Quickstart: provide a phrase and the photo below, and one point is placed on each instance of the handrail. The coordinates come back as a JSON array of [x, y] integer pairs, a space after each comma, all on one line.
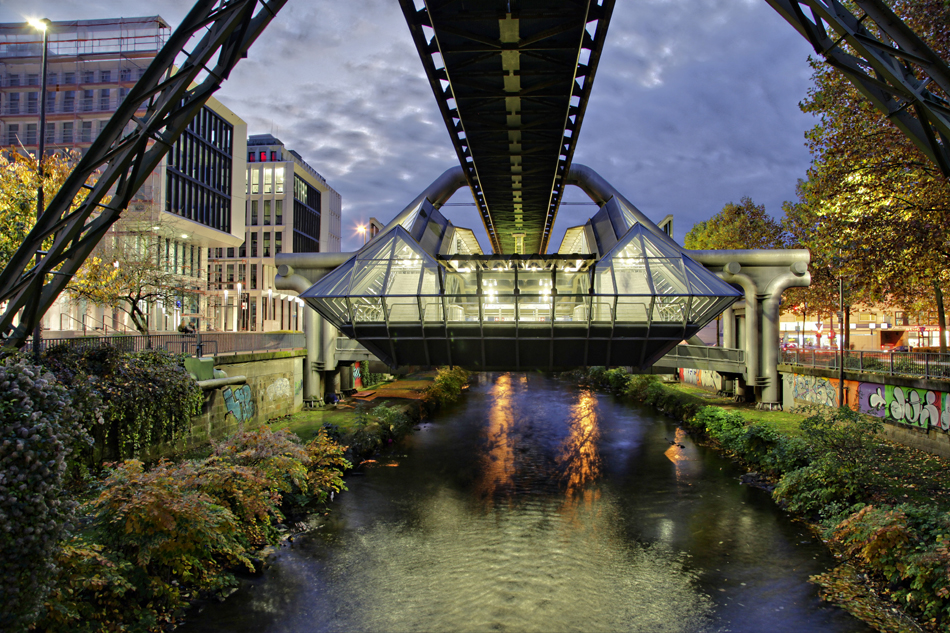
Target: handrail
[[930, 365]]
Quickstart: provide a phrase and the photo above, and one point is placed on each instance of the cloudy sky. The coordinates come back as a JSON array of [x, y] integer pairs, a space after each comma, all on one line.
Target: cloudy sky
[[695, 104]]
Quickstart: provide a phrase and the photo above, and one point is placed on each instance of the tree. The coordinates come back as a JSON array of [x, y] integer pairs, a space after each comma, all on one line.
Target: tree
[[18, 184], [129, 271], [737, 226], [872, 201]]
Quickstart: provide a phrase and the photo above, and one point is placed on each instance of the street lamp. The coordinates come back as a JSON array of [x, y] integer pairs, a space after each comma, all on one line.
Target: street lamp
[[41, 25], [362, 231]]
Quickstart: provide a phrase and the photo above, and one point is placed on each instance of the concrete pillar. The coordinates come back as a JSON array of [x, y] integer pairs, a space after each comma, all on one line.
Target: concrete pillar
[[729, 328], [771, 307], [312, 328]]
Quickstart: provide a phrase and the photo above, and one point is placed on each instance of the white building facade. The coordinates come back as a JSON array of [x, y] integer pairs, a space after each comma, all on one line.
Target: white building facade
[[194, 201], [290, 209]]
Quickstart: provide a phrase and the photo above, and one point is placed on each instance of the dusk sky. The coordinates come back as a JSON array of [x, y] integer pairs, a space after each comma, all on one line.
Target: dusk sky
[[695, 104]]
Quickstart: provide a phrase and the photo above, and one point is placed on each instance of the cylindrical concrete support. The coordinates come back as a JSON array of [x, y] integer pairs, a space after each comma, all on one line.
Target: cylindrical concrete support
[[729, 328], [797, 275], [731, 274]]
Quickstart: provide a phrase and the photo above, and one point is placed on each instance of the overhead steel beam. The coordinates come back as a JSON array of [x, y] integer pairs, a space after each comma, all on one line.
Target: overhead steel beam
[[892, 71], [170, 97]]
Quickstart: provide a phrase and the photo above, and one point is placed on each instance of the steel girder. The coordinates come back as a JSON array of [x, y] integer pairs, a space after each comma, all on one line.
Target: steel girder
[[171, 97], [512, 81], [893, 75]]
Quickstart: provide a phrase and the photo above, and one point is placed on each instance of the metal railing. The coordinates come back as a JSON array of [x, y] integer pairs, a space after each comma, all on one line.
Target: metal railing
[[916, 364], [212, 343]]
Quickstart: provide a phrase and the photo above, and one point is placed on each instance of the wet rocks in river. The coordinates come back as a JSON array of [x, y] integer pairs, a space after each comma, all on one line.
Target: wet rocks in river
[[757, 480]]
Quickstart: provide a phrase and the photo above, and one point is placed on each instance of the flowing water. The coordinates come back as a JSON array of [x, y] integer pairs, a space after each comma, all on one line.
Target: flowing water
[[536, 505]]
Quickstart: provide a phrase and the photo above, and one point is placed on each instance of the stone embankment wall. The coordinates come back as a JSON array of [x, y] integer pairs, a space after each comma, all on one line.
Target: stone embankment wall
[[274, 388], [916, 411]]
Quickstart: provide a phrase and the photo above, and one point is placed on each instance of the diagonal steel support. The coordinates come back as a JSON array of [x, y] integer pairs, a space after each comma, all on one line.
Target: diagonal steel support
[[892, 75], [120, 162]]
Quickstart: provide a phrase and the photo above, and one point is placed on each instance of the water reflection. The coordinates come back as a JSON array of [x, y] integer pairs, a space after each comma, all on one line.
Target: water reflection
[[579, 458], [498, 460]]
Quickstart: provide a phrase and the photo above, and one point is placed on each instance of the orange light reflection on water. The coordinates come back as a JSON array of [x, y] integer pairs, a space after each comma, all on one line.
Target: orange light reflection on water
[[498, 463], [579, 457]]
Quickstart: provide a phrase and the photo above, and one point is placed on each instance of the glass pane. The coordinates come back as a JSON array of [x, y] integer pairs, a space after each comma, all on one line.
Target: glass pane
[[571, 307], [462, 308], [537, 285], [572, 283], [404, 277], [369, 277], [670, 309], [603, 281], [461, 283], [430, 280], [668, 276], [602, 309], [656, 247], [432, 310], [631, 310], [335, 284], [402, 309], [367, 310]]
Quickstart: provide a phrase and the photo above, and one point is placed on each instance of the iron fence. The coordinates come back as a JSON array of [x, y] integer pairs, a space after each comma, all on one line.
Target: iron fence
[[917, 364], [211, 343]]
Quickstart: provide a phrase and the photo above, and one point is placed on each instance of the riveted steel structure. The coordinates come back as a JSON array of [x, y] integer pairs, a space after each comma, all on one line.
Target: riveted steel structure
[[512, 80], [893, 68], [219, 33]]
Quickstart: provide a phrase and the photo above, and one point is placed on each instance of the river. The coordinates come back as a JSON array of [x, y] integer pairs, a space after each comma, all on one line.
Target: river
[[536, 505]]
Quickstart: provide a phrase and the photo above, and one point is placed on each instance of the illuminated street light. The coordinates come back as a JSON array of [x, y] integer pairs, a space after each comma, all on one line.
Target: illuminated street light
[[362, 231], [41, 25]]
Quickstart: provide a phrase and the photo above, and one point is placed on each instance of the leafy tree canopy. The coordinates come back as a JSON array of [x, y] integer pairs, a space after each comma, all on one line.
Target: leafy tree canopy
[[737, 226]]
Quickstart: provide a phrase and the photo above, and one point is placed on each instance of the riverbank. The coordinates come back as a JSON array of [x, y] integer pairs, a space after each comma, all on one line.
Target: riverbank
[[883, 508]]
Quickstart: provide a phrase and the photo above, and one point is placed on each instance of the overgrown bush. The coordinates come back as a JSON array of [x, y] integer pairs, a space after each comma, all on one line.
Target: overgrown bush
[[146, 397], [447, 385], [376, 426], [841, 471], [910, 547], [158, 538], [38, 428]]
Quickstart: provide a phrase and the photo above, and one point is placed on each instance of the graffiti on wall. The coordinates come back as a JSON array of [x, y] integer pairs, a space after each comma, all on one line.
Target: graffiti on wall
[[701, 378], [816, 390], [240, 402], [923, 408]]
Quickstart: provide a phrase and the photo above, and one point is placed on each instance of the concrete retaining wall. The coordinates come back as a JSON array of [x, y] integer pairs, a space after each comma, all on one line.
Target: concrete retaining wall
[[274, 388]]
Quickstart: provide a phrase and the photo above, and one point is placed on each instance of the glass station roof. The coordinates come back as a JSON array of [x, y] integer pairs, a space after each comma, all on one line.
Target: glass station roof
[[488, 311]]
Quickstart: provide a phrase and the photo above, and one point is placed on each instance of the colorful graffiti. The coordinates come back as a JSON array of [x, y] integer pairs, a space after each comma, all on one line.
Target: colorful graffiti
[[922, 408], [701, 378], [240, 403]]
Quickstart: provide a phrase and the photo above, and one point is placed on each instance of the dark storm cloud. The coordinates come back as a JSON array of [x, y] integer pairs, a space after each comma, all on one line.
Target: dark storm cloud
[[694, 104]]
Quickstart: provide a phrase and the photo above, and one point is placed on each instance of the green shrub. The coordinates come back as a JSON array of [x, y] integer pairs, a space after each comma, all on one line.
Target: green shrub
[[910, 547], [144, 398], [638, 384], [842, 469], [38, 427], [447, 385], [277, 455], [326, 466]]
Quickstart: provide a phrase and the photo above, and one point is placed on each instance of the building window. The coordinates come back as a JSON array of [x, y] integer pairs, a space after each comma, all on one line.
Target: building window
[[51, 79], [263, 157], [253, 212], [278, 212], [254, 244], [32, 102], [279, 179], [267, 244], [13, 133], [31, 133], [50, 133], [51, 102], [88, 77], [13, 80], [278, 237], [69, 78], [240, 269], [69, 101], [68, 132], [231, 252], [900, 318], [273, 155], [255, 181], [87, 99], [125, 74], [123, 93], [32, 79], [86, 136], [250, 157], [105, 76], [253, 272], [104, 99], [13, 103], [268, 178], [242, 251], [267, 213]]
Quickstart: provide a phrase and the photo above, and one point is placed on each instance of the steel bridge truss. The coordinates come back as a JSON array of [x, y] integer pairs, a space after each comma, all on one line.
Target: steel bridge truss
[[893, 70], [171, 95]]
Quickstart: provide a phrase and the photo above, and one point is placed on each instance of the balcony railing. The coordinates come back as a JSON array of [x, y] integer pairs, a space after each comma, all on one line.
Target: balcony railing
[[213, 343], [914, 364]]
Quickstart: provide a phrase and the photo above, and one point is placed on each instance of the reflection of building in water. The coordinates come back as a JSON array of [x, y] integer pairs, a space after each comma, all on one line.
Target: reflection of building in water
[[676, 453], [579, 457], [498, 463]]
